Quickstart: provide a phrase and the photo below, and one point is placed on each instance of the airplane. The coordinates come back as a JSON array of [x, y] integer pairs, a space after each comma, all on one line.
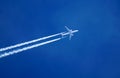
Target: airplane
[[70, 32]]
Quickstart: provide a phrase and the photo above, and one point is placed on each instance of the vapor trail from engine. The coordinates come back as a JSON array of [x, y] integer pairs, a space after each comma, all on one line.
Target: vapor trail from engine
[[27, 48], [28, 42]]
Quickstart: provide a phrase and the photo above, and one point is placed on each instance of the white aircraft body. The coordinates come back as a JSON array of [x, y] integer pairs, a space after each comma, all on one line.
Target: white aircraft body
[[70, 33]]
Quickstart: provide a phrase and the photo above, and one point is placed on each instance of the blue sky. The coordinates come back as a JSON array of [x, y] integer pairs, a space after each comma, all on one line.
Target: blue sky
[[94, 52]]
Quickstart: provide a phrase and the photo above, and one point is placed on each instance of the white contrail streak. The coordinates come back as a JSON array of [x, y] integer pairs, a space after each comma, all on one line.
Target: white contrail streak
[[27, 48], [28, 42]]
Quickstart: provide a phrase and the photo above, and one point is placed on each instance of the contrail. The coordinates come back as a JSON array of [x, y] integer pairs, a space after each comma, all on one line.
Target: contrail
[[28, 42], [29, 47]]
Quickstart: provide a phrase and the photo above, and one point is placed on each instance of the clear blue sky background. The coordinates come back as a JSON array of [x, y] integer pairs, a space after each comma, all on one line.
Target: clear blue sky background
[[94, 52]]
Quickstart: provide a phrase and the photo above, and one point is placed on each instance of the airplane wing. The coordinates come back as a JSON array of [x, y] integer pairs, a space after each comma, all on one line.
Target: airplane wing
[[67, 28], [70, 32]]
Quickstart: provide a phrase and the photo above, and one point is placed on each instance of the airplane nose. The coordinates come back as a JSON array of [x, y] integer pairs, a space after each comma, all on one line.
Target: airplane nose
[[75, 31]]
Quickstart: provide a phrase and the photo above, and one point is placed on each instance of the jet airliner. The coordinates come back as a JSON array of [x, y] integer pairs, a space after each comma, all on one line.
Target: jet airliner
[[70, 33]]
